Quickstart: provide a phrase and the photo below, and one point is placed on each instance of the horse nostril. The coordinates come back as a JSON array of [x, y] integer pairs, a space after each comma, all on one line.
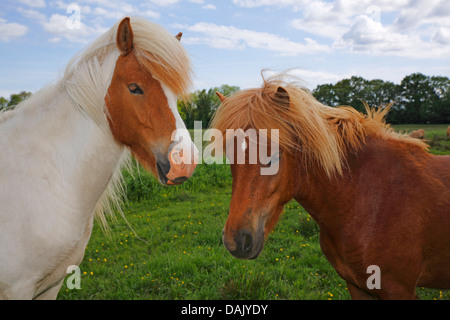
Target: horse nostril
[[247, 244], [163, 167]]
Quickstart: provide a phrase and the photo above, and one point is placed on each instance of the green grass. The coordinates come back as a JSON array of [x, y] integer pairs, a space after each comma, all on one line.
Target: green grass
[[175, 252], [170, 248], [435, 135]]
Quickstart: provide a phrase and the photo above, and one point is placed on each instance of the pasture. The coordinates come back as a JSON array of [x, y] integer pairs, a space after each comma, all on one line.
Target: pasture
[[434, 133], [170, 247]]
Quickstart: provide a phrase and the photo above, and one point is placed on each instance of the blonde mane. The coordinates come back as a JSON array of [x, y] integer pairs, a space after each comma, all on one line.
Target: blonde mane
[[88, 74], [322, 134]]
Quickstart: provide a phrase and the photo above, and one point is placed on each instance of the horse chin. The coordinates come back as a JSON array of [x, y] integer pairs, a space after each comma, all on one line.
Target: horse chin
[[166, 182], [177, 181]]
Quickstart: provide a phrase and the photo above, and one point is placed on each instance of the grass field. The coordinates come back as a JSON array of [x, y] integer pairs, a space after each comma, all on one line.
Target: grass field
[[435, 134], [170, 247]]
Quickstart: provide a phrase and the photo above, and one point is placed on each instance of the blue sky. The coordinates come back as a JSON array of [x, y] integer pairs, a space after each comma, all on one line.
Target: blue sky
[[230, 42]]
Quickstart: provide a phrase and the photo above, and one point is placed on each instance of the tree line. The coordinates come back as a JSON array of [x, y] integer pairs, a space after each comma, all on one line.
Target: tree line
[[201, 105], [13, 100], [416, 99]]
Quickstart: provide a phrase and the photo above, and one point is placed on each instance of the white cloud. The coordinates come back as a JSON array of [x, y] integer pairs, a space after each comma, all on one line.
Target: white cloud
[[94, 17], [151, 14], [209, 7], [311, 79], [32, 14], [442, 36], [108, 13], [11, 30], [420, 13], [333, 19], [167, 3], [259, 3], [230, 37], [34, 3], [369, 36], [418, 28], [164, 3], [337, 5], [119, 9], [57, 26], [84, 9]]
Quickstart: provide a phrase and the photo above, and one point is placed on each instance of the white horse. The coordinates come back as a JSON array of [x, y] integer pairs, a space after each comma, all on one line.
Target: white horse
[[61, 151]]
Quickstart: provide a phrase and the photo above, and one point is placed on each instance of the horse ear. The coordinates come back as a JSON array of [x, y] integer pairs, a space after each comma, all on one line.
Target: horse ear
[[125, 36], [221, 96], [178, 36], [282, 97]]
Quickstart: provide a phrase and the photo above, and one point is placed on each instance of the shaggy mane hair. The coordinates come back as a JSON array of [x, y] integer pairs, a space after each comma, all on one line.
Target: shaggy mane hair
[[323, 134]]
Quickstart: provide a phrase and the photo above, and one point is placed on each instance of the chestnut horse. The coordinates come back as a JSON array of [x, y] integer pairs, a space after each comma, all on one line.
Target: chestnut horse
[[62, 150], [418, 134], [379, 198]]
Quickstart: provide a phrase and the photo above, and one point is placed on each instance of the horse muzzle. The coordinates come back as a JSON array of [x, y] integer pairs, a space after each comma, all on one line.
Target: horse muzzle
[[243, 243], [178, 165]]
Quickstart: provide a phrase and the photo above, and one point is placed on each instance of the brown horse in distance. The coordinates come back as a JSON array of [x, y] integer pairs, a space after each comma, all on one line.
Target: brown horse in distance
[[418, 134], [379, 197]]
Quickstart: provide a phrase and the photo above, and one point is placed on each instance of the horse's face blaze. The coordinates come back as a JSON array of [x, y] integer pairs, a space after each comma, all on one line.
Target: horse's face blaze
[[139, 114], [142, 115]]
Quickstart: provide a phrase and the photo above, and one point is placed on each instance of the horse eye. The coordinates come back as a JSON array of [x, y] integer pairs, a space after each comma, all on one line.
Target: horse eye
[[135, 89], [274, 159]]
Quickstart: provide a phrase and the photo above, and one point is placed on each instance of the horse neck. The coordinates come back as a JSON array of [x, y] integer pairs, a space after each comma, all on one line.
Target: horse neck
[[333, 200], [78, 155]]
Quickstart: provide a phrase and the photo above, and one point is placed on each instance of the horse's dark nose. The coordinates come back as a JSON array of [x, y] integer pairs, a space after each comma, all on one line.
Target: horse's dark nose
[[177, 167], [163, 167], [243, 244], [246, 243]]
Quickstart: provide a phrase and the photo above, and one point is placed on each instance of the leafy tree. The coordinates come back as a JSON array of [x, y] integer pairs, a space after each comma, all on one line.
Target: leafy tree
[[3, 103], [417, 99], [417, 95], [440, 111], [14, 100], [205, 104], [202, 104], [349, 92], [186, 110]]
